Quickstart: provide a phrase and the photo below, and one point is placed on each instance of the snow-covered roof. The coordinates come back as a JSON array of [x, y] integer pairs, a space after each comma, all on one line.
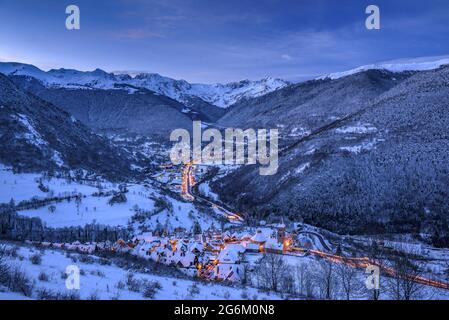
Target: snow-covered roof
[[273, 244], [196, 246], [259, 237], [231, 253], [252, 246], [187, 260]]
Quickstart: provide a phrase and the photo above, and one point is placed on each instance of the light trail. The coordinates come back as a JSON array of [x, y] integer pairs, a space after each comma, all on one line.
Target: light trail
[[188, 181]]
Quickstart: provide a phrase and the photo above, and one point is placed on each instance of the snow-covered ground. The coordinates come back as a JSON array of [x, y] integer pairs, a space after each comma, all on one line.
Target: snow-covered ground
[[110, 281], [205, 190], [105, 281], [24, 186], [93, 208]]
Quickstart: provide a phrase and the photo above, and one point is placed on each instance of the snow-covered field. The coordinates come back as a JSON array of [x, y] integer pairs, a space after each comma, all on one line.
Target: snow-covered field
[[158, 209], [24, 186], [96, 209]]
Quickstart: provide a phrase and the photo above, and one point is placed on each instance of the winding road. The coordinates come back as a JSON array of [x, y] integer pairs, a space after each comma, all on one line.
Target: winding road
[[188, 181]]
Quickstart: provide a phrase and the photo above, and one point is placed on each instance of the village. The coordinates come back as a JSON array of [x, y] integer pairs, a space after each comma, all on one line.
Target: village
[[212, 255], [233, 252]]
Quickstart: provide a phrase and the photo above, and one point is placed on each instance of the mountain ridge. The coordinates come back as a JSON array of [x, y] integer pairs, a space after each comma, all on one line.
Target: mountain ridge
[[221, 95]]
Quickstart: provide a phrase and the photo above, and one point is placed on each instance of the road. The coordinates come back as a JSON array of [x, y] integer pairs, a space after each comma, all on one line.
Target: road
[[188, 181]]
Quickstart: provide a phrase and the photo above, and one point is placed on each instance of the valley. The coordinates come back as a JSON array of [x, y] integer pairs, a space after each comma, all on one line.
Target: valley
[[86, 177]]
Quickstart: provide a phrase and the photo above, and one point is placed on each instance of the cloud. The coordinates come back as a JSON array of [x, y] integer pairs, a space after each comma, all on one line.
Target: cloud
[[286, 57], [137, 34]]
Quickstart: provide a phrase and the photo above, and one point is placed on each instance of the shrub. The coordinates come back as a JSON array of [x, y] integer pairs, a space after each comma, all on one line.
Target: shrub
[[84, 258], [104, 262], [36, 259], [193, 290], [98, 273], [151, 288], [18, 281], [43, 277], [117, 198], [93, 296], [8, 251], [120, 285], [45, 294], [133, 284]]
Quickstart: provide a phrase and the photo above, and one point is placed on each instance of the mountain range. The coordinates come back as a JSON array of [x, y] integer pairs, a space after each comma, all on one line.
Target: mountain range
[[221, 95], [361, 151], [37, 136]]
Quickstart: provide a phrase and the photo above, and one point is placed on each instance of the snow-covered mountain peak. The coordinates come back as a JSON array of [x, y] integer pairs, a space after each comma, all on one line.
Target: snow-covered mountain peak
[[399, 65], [222, 95]]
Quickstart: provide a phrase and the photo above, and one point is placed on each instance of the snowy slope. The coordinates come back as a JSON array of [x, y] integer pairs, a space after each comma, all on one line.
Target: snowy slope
[[221, 95], [105, 282], [92, 208], [401, 65]]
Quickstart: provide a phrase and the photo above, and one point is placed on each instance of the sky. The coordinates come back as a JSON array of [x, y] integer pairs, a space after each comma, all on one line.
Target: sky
[[210, 41]]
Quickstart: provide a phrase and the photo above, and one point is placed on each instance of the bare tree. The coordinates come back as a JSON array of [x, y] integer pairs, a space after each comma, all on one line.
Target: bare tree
[[376, 256], [305, 280], [403, 283], [325, 277], [288, 283], [348, 279], [271, 271], [4, 268], [246, 277], [301, 275]]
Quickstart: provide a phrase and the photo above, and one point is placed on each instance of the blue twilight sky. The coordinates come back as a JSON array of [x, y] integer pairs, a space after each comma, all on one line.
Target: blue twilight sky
[[221, 41]]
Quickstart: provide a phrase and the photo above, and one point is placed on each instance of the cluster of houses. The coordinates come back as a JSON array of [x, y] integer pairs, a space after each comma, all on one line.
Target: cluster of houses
[[211, 255]]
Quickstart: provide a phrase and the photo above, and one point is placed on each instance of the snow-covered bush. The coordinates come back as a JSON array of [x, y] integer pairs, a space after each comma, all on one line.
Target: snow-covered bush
[[133, 284], [151, 288], [36, 259], [17, 281], [43, 277], [193, 290], [45, 294]]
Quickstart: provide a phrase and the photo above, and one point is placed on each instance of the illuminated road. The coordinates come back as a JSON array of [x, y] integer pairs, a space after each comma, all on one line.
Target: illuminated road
[[188, 181]]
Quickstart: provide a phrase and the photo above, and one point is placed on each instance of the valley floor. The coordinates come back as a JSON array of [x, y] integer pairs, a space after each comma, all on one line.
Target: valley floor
[[149, 272]]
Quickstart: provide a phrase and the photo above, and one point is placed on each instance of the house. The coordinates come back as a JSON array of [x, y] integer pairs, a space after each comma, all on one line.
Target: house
[[189, 260], [253, 247], [180, 232], [87, 248], [231, 254], [143, 250], [196, 248], [228, 272], [273, 246], [259, 237]]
